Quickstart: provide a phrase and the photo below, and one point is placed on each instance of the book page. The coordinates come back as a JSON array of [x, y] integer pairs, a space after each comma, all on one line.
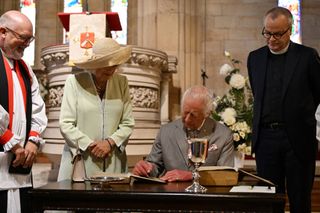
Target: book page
[[107, 174], [152, 179], [127, 176], [254, 189]]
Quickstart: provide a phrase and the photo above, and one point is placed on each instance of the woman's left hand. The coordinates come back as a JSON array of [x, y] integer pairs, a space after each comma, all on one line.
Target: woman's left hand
[[100, 148]]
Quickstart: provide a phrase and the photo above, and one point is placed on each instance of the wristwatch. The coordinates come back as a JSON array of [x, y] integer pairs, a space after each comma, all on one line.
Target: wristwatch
[[35, 140]]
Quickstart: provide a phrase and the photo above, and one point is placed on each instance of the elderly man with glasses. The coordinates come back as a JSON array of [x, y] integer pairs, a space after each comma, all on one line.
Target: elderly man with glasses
[[22, 113], [285, 80]]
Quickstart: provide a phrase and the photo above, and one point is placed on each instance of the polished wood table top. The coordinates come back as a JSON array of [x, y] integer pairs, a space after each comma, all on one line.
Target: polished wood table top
[[141, 197]]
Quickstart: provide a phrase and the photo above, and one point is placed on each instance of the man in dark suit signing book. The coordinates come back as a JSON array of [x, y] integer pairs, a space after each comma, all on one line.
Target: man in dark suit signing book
[[169, 155], [285, 80]]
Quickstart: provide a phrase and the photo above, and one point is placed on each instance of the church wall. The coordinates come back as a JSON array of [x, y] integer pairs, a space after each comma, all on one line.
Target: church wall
[[8, 5], [49, 29], [195, 31], [310, 23], [198, 32]]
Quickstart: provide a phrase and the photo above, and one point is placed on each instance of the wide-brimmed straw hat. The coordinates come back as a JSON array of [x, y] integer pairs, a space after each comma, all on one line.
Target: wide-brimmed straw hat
[[106, 52]]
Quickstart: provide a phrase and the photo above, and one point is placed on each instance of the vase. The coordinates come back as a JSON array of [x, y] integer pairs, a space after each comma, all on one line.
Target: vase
[[238, 159]]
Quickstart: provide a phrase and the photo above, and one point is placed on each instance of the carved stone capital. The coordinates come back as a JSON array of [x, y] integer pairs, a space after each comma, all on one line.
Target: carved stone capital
[[172, 64], [55, 56], [154, 59]]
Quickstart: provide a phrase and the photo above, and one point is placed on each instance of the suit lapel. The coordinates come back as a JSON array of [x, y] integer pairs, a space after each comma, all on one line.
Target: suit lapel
[[182, 143], [181, 137], [290, 64], [261, 72], [207, 128]]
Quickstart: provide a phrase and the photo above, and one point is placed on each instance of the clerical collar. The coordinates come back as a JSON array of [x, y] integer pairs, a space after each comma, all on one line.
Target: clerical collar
[[281, 51]]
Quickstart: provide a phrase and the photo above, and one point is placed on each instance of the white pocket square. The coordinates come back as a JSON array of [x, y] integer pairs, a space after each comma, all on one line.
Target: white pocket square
[[212, 147]]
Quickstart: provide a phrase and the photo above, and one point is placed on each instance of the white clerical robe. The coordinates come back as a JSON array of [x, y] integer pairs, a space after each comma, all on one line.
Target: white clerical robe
[[12, 182]]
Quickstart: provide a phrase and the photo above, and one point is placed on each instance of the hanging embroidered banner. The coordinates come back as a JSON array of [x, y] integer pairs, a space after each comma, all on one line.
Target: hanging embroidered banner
[[84, 31]]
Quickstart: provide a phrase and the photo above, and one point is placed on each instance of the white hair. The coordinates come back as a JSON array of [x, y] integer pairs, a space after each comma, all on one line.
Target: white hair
[[200, 93]]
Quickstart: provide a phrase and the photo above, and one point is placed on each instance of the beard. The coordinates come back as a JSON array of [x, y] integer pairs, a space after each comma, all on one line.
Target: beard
[[13, 53]]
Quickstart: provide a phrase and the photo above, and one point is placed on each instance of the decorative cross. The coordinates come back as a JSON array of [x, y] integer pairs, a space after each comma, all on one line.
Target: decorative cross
[[86, 7], [203, 76]]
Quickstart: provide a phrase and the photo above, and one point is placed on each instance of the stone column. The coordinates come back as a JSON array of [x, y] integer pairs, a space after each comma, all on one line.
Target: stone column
[[49, 30], [9, 5], [174, 26]]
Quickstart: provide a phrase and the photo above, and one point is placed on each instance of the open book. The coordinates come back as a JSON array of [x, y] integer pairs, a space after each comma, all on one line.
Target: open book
[[218, 176], [146, 179], [269, 188], [127, 177]]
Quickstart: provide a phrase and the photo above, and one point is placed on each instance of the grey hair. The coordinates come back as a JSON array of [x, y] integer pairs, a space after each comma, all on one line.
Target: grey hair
[[278, 11], [200, 93], [4, 19], [10, 18]]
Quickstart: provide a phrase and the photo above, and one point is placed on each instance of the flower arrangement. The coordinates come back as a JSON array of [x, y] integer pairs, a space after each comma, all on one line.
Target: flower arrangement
[[234, 109]]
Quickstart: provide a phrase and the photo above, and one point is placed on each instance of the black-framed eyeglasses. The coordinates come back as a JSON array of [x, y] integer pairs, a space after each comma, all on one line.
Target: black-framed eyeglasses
[[25, 39], [276, 35]]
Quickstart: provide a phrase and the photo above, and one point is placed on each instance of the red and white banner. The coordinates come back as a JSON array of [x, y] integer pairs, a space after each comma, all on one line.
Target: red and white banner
[[84, 31]]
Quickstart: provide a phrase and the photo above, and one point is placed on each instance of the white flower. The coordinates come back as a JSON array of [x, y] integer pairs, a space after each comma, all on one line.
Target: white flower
[[229, 120], [226, 53], [237, 81], [242, 134], [229, 116], [225, 69], [229, 112], [241, 127], [248, 150], [236, 137], [216, 101], [244, 148]]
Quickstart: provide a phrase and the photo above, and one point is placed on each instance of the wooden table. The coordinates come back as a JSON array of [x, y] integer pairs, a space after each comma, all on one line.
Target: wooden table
[[146, 197]]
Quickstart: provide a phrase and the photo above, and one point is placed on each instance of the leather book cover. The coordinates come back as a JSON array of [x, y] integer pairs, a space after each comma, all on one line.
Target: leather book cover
[[218, 176], [19, 169]]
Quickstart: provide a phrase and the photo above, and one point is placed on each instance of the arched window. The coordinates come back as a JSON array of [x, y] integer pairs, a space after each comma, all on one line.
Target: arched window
[[28, 7], [294, 7]]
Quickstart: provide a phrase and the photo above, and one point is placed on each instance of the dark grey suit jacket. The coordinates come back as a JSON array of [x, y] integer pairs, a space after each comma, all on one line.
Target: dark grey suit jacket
[[170, 149]]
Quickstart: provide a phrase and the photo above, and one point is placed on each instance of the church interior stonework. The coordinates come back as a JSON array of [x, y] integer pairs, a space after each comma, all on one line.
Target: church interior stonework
[[176, 44]]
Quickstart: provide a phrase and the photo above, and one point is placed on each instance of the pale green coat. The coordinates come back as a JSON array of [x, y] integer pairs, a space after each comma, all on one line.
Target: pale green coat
[[85, 117]]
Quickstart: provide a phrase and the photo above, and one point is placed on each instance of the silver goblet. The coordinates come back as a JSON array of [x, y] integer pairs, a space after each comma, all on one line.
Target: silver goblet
[[198, 150]]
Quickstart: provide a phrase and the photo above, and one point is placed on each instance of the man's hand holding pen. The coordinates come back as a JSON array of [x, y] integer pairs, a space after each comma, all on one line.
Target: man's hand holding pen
[[143, 168]]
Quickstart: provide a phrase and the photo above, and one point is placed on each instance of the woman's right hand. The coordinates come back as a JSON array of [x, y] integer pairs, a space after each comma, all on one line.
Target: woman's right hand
[[100, 148]]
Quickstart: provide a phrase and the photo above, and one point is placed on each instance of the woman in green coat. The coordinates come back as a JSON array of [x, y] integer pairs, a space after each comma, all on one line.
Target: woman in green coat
[[96, 112]]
